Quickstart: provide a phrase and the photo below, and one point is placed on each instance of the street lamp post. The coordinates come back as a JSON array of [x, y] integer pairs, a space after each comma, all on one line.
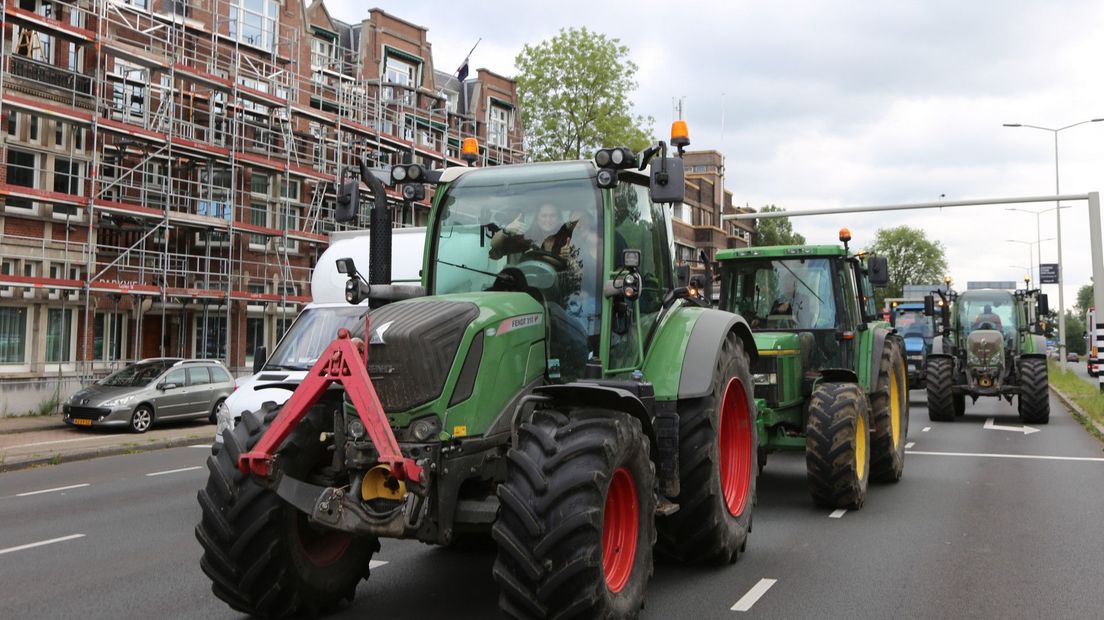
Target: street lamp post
[[1031, 256], [1058, 217]]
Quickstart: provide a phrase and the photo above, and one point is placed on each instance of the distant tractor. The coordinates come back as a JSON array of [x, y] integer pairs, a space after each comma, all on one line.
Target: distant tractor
[[991, 344], [908, 318], [831, 377], [547, 387]]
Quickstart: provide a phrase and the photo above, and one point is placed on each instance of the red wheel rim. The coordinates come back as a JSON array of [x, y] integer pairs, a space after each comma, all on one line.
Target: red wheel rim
[[620, 527], [321, 547], [734, 438]]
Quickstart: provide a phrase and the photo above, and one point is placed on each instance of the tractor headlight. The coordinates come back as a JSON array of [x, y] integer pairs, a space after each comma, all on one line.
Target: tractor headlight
[[425, 428], [356, 429], [764, 378]]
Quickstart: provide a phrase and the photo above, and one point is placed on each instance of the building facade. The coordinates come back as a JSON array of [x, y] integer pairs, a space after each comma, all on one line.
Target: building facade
[[169, 167], [697, 222]]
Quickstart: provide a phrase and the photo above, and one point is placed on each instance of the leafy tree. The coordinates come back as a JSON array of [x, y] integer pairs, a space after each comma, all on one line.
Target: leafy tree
[[1084, 299], [574, 93], [1075, 333], [912, 257], [776, 231]]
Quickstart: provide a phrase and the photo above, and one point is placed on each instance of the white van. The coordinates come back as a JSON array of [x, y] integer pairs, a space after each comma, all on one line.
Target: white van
[[317, 325]]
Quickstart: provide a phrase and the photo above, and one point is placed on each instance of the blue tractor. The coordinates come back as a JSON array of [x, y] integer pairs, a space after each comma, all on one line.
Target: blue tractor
[[908, 318]]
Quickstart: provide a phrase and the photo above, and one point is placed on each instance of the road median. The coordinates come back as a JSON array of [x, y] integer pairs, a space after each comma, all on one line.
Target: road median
[[1083, 399]]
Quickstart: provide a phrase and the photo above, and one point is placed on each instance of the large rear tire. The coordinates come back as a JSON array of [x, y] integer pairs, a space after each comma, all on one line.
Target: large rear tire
[[261, 554], [1034, 396], [941, 402], [576, 520], [837, 454], [718, 460], [889, 408]]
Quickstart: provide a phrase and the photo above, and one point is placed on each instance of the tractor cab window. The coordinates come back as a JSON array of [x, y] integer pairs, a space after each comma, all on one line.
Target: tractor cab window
[[535, 229], [785, 295], [993, 310], [912, 323]]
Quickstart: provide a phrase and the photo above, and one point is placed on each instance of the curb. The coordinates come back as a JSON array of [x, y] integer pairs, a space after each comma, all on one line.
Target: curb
[[1076, 410], [34, 429], [57, 459]]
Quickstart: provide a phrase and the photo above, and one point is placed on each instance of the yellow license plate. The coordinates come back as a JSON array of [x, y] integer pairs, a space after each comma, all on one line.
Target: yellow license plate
[[80, 422]]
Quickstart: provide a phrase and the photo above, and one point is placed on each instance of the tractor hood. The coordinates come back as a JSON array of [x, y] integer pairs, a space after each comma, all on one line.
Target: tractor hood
[[777, 343], [985, 348], [914, 345]]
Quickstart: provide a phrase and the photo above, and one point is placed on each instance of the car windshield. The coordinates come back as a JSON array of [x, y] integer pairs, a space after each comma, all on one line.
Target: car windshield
[[790, 294], [311, 333], [912, 323], [138, 374], [987, 310]]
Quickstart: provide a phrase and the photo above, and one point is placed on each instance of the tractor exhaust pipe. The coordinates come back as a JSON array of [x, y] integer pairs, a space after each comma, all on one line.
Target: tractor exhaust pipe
[[379, 253]]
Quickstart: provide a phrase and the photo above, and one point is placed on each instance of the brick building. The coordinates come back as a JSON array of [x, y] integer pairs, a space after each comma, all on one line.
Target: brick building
[[697, 223], [169, 166]]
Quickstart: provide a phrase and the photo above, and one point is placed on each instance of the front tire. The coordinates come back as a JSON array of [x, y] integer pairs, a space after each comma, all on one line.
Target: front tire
[[941, 403], [1034, 399], [719, 456], [889, 417], [576, 520], [837, 455], [262, 555], [142, 419]]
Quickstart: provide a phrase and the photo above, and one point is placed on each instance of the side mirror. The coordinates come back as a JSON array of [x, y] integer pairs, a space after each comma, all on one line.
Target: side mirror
[[348, 201], [929, 305], [878, 268], [666, 180], [260, 355], [347, 266], [161, 386], [1042, 307]]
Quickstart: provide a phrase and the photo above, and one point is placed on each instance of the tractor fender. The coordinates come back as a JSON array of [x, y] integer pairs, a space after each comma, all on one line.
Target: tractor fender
[[704, 346], [937, 347], [586, 394], [880, 335], [1039, 342]]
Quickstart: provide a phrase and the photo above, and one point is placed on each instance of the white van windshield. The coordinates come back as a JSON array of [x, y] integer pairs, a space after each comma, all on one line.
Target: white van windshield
[[311, 333]]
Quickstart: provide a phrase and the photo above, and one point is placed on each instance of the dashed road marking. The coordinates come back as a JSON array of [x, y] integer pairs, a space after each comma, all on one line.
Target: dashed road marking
[[376, 563], [41, 543], [1012, 456], [909, 445], [174, 471], [203, 446], [72, 486], [925, 429], [754, 594], [837, 513]]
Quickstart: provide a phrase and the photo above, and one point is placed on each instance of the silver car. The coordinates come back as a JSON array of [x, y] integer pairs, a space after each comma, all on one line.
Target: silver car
[[158, 389]]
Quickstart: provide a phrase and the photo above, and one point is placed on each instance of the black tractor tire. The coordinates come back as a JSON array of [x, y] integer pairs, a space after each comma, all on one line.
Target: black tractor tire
[[718, 470], [837, 439], [941, 402], [576, 521], [1034, 399], [889, 412], [261, 554]]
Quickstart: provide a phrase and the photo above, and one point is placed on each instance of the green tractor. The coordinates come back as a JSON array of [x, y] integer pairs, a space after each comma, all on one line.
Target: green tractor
[[991, 344], [547, 387], [831, 377]]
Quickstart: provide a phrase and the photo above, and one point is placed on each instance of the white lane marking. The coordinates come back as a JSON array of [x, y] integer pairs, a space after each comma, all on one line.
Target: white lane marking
[[174, 471], [925, 429], [990, 426], [204, 446], [41, 543], [72, 486], [376, 563], [909, 445], [46, 443], [1011, 456], [753, 595], [837, 513]]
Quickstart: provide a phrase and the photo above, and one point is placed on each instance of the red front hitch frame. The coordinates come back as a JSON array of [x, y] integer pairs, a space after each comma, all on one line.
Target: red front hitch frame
[[342, 363]]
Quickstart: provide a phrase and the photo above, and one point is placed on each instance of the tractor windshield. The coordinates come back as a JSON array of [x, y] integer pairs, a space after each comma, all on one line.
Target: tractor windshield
[[987, 310], [789, 294], [912, 323]]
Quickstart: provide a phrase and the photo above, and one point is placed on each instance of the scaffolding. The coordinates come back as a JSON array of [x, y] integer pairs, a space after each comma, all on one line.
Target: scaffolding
[[189, 155]]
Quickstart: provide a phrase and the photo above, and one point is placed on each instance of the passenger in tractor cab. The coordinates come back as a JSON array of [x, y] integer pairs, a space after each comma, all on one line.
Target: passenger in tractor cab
[[987, 319], [548, 233]]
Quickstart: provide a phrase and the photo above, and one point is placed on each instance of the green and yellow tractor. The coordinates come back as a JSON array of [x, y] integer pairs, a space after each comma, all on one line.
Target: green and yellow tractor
[[831, 377], [547, 387]]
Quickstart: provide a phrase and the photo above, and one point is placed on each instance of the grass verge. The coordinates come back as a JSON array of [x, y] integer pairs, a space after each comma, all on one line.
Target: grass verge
[[1083, 394]]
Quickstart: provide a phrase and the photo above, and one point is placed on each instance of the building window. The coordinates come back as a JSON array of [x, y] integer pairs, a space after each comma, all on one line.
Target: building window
[[254, 337], [254, 22], [13, 335], [13, 124], [323, 54], [67, 176], [22, 167], [259, 183], [60, 335], [258, 216], [210, 337], [289, 189], [107, 337], [498, 126], [402, 73]]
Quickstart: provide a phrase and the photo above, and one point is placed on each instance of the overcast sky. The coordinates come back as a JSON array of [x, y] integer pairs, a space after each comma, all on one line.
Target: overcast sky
[[851, 103]]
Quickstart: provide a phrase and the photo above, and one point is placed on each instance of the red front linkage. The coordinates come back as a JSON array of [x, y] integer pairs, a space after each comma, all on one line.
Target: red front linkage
[[341, 363]]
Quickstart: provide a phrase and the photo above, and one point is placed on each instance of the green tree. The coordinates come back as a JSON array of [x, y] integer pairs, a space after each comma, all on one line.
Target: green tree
[[1076, 338], [574, 94], [776, 231], [912, 257], [1084, 299]]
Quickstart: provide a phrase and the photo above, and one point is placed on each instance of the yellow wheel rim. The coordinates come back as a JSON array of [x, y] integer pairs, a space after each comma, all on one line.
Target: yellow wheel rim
[[895, 408], [860, 447]]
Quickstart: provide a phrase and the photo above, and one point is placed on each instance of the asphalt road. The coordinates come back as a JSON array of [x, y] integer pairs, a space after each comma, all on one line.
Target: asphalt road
[[979, 527]]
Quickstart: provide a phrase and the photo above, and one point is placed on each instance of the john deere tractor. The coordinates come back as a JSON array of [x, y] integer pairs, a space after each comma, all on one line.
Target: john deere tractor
[[990, 344], [831, 377], [546, 386]]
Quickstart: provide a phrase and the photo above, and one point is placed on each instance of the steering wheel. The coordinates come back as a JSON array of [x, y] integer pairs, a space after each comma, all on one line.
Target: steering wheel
[[986, 325], [538, 255]]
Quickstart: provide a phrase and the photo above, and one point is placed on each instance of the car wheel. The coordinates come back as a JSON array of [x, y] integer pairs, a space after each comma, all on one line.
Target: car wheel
[[213, 418], [141, 419]]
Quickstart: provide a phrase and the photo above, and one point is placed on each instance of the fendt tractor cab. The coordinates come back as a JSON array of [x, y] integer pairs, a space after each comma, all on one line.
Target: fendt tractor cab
[[831, 378], [546, 384], [991, 344]]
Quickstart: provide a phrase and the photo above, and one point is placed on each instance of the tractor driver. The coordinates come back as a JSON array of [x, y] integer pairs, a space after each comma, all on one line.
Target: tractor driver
[[987, 317]]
